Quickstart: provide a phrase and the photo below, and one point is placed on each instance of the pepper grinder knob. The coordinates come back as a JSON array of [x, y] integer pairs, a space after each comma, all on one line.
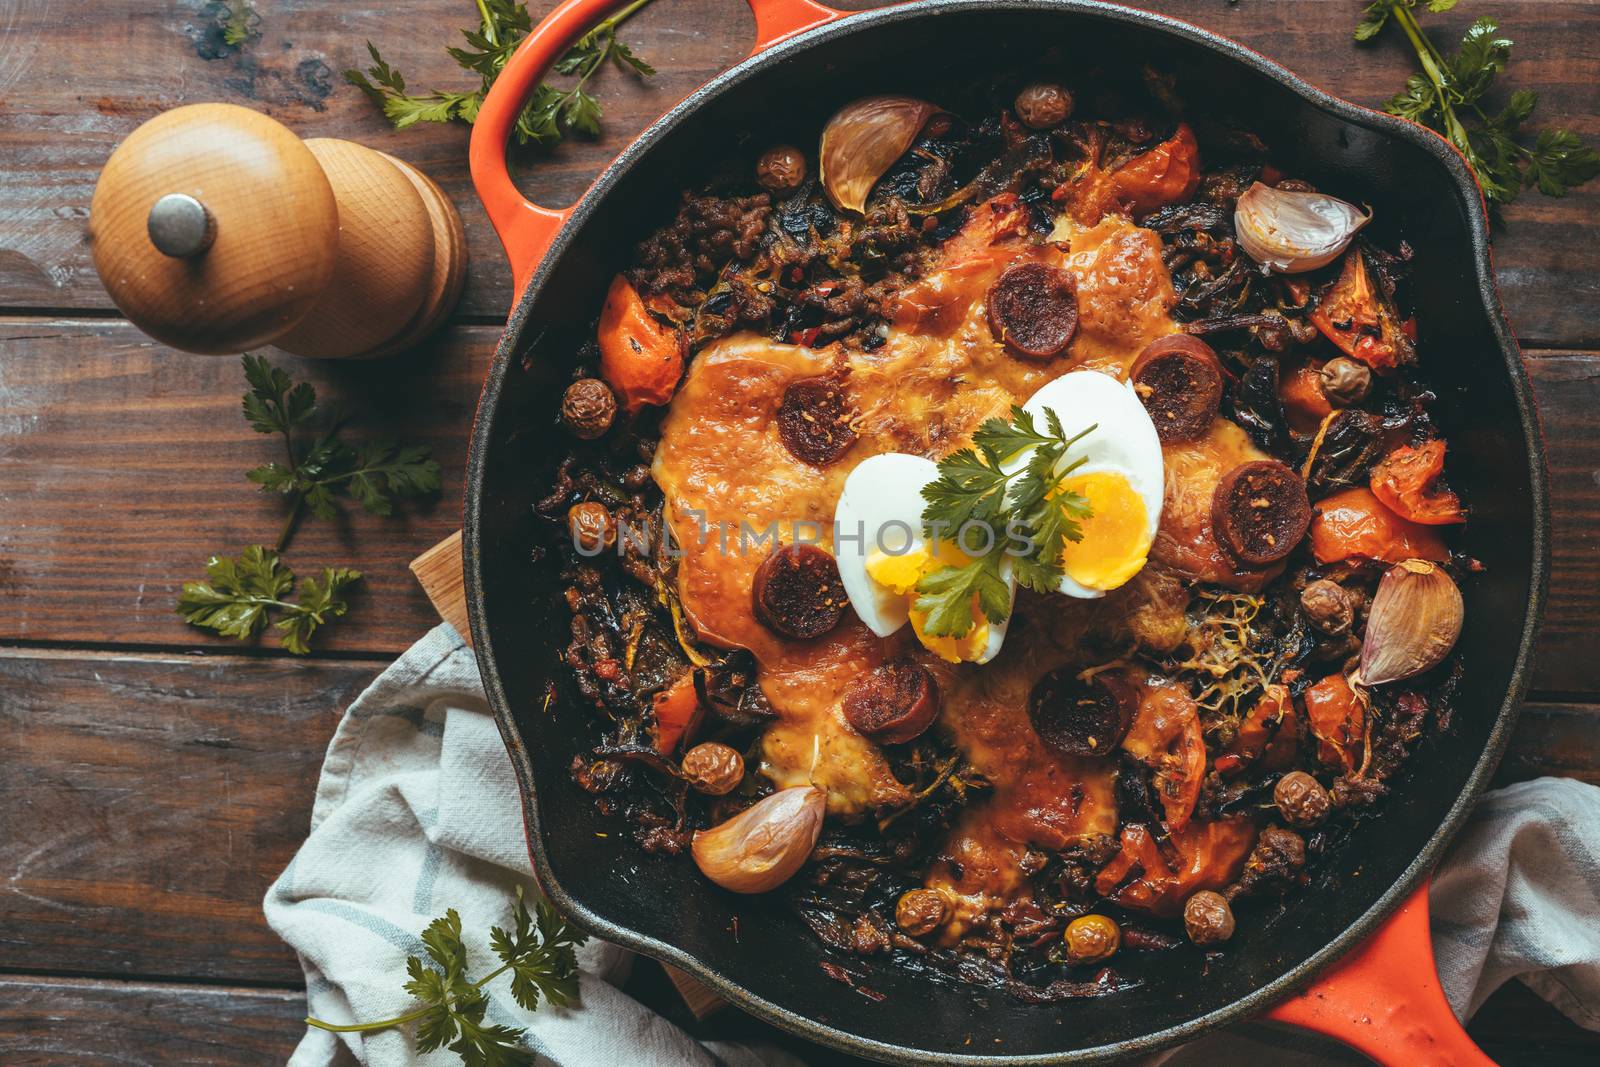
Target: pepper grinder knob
[[180, 226]]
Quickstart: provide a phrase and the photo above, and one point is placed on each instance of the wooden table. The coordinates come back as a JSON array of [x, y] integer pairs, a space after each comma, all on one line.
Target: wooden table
[[154, 780]]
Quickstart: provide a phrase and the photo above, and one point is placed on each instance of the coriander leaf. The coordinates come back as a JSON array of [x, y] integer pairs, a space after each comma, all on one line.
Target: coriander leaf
[[242, 593], [318, 602], [1415, 101], [969, 489], [550, 113], [385, 470], [442, 938], [235, 600], [624, 58], [1447, 95], [1482, 58], [426, 984], [539, 953], [1559, 161], [947, 596], [1373, 18], [436, 1029], [274, 478], [274, 404]]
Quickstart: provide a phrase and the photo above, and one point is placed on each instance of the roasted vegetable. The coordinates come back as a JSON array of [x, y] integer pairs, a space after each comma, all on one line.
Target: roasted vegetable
[[640, 358]]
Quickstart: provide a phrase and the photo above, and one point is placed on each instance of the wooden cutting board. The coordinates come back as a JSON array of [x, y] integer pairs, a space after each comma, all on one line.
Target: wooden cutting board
[[438, 571]]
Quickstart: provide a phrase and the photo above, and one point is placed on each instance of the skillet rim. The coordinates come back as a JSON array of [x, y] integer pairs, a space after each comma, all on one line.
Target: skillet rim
[[1469, 196]]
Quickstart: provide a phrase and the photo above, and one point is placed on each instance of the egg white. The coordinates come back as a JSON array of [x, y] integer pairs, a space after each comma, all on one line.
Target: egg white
[[1124, 441], [880, 509]]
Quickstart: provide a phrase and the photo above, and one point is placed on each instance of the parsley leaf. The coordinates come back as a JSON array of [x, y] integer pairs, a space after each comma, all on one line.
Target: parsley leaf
[[376, 474], [550, 114], [1024, 508], [1448, 95], [241, 593], [540, 951]]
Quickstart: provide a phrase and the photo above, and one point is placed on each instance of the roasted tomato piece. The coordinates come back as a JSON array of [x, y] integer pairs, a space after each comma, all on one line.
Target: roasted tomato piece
[[1078, 718], [1166, 174], [1269, 734], [1209, 856], [1179, 381], [1260, 512], [798, 593], [640, 358], [1407, 481], [1355, 524], [1304, 402], [1337, 721], [678, 711], [1357, 318], [815, 420], [1033, 309], [893, 703], [1166, 737]]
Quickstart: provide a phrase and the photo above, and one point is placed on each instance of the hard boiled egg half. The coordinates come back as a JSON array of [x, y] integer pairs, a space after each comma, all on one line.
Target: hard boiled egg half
[[1122, 476], [883, 553]]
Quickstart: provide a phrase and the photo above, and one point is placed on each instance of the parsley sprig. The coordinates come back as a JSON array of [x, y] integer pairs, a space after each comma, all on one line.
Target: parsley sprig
[[551, 112], [541, 954], [1029, 518], [243, 592], [376, 473], [1448, 95]]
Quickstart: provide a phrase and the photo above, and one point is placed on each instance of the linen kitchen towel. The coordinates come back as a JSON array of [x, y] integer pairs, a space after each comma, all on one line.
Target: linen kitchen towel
[[417, 811]]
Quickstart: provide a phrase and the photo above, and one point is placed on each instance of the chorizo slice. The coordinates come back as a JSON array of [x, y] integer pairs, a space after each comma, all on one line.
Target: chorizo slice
[[797, 591], [1033, 309], [1077, 718], [894, 703], [1178, 379], [1260, 511], [815, 420]]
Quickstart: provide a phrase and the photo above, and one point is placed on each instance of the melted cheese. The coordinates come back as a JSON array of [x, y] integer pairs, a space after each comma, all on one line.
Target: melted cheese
[[938, 375]]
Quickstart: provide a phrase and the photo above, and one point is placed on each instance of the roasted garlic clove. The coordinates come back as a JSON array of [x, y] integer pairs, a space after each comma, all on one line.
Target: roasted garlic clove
[[1414, 622], [1291, 232], [764, 845], [862, 141]]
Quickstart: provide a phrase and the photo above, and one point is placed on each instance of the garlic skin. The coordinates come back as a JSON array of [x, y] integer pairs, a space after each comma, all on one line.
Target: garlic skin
[[862, 141], [1292, 232], [1414, 623], [764, 845]]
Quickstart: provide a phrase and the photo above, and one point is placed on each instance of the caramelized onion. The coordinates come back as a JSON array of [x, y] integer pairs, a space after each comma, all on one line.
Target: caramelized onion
[[1293, 232], [1415, 620], [862, 141], [763, 846]]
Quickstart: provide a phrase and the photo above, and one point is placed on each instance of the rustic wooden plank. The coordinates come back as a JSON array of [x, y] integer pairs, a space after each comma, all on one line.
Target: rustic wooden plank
[[47, 1022], [149, 800], [58, 130], [122, 467], [1519, 1029], [1568, 386]]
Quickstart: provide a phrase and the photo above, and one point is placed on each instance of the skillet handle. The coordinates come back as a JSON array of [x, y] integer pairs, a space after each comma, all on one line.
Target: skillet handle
[[1384, 998], [526, 229]]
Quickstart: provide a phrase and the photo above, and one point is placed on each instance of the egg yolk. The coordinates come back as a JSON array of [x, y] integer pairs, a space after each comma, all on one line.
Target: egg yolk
[[1116, 537], [900, 574]]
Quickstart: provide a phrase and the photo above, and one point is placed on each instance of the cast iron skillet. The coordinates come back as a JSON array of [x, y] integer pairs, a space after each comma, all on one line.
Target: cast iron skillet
[[808, 62]]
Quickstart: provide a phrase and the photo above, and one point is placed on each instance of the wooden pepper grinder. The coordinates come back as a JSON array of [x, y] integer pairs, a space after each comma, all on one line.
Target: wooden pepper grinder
[[217, 230]]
